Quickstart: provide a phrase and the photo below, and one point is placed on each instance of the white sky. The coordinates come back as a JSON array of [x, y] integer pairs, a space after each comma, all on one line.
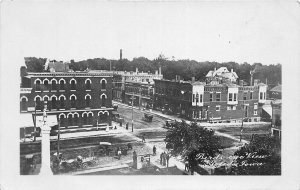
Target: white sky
[[203, 31]]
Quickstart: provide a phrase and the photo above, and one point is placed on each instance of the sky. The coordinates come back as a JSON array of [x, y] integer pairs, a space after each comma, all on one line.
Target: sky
[[248, 31]]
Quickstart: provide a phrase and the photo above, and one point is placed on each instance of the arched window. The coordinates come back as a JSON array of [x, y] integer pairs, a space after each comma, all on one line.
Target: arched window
[[85, 118], [103, 117], [103, 100], [62, 84], [73, 101], [62, 120], [90, 118], [62, 102], [39, 103], [70, 120], [46, 84], [87, 100], [103, 84], [53, 102], [24, 101], [73, 84], [46, 100], [88, 84], [37, 85], [53, 85], [76, 116]]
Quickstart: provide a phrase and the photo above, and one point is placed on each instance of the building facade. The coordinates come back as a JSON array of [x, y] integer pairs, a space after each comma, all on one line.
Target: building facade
[[226, 102], [141, 94], [77, 99]]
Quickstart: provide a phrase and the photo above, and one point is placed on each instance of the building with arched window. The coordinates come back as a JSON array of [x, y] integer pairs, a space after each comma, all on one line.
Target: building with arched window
[[75, 98]]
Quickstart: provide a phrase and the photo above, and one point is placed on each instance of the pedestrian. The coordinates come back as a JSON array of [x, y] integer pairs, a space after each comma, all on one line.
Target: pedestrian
[[127, 126], [168, 157], [186, 164], [161, 157], [154, 150], [143, 139], [119, 153], [115, 127]]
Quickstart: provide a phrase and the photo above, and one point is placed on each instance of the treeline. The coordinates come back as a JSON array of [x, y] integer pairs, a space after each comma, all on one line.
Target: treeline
[[170, 68]]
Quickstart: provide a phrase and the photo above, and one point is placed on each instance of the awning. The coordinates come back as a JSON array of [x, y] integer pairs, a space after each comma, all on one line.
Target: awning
[[26, 120], [51, 120], [268, 109]]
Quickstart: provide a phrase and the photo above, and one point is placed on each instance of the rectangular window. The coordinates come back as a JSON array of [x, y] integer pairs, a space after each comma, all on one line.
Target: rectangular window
[[218, 98], [235, 95], [251, 95], [230, 97], [211, 97], [193, 97], [233, 107], [255, 112], [264, 95], [201, 98], [260, 95], [228, 107], [255, 106], [218, 108], [245, 95]]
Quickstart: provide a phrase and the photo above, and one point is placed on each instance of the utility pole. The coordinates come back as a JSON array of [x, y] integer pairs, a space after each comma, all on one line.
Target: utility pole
[[34, 137], [58, 137], [132, 112], [242, 122]]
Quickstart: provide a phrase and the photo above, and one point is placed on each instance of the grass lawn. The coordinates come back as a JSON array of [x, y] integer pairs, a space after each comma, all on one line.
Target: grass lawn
[[226, 142]]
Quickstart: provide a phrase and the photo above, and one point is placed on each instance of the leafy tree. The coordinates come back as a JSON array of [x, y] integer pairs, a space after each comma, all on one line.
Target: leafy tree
[[260, 157], [190, 141]]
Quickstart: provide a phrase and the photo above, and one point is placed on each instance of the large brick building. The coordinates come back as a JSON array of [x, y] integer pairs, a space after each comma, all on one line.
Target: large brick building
[[78, 100], [215, 102]]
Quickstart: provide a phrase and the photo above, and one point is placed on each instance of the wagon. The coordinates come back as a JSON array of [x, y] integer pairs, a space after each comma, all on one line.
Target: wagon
[[147, 117]]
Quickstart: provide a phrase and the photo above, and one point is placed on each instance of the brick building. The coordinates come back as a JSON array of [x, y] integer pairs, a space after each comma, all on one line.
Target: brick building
[[215, 102], [78, 100]]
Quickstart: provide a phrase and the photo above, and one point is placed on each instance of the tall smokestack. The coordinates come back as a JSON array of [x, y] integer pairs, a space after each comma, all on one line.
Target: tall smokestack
[[120, 54]]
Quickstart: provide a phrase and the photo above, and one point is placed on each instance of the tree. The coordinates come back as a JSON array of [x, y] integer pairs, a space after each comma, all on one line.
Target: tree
[[260, 157], [190, 141]]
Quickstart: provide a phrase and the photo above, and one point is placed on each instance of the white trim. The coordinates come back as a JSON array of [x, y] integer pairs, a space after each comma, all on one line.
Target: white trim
[[46, 80], [69, 114], [76, 114], [100, 112], [62, 96], [37, 80], [82, 115], [106, 112], [90, 113], [62, 80], [53, 96], [87, 80], [103, 112], [46, 97], [102, 95], [72, 80], [53, 80], [102, 80], [88, 95], [72, 96], [61, 114], [23, 97], [36, 97]]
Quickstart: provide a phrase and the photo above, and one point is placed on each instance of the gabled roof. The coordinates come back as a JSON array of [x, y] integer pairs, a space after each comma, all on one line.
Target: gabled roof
[[276, 89]]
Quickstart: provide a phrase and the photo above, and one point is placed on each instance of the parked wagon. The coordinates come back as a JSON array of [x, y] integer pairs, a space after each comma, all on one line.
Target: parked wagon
[[147, 117]]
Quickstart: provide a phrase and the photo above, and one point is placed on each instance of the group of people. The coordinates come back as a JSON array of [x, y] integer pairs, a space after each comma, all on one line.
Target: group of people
[[164, 159]]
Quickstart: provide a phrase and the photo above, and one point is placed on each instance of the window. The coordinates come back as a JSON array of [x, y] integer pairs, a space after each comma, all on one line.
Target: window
[[85, 119], [103, 117], [46, 100], [62, 102], [218, 108], [24, 104], [264, 95], [228, 107], [73, 83], [235, 95], [245, 95], [251, 95], [255, 106], [87, 101], [233, 107], [70, 120], [38, 85], [103, 97], [103, 84], [260, 95], [62, 120], [53, 102], [62, 85], [39, 103], [46, 84], [88, 84], [193, 97], [76, 119], [90, 118], [255, 112], [73, 101], [218, 98], [197, 98], [230, 97], [201, 98], [53, 85], [211, 97]]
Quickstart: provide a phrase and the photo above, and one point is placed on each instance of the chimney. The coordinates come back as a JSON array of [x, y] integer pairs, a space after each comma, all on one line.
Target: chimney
[[193, 79], [120, 54], [136, 70], [256, 82], [159, 70]]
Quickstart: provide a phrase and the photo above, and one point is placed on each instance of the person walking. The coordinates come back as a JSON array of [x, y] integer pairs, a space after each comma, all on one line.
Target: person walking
[[167, 157], [186, 165], [127, 126], [143, 139], [154, 150], [161, 157], [119, 154]]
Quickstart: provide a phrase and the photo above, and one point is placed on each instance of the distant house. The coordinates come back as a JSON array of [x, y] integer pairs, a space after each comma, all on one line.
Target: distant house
[[57, 66], [276, 118], [222, 75], [275, 93]]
